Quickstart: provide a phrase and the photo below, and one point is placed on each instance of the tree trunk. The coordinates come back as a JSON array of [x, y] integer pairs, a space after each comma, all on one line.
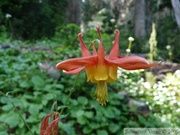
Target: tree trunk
[[176, 7], [73, 12], [140, 18]]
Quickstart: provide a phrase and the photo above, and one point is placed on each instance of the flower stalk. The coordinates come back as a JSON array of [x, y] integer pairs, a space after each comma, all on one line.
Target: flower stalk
[[128, 50], [70, 93], [153, 43]]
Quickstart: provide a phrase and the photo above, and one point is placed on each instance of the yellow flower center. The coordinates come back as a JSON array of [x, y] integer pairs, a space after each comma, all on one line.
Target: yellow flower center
[[101, 74]]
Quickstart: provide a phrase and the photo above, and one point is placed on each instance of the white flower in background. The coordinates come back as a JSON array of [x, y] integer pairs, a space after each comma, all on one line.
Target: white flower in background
[[168, 47], [128, 50], [112, 20], [131, 39], [8, 15]]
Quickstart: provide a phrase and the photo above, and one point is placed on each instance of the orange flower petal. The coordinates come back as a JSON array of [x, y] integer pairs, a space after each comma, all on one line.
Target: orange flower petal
[[139, 66], [44, 124], [75, 71], [52, 128], [75, 63], [94, 49], [132, 63], [84, 50], [115, 49], [100, 52]]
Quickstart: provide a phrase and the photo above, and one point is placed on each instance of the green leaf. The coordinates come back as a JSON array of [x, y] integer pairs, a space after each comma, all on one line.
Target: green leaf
[[62, 107], [82, 120], [48, 87], [68, 127], [3, 133], [3, 127], [41, 115], [141, 119], [63, 116], [25, 84], [26, 96], [4, 100], [82, 100], [79, 113], [89, 114], [12, 119], [49, 96], [116, 111], [44, 102], [102, 132], [114, 127], [17, 101], [34, 109], [7, 107], [109, 113], [94, 125], [32, 119], [87, 130], [60, 86], [38, 81], [131, 123]]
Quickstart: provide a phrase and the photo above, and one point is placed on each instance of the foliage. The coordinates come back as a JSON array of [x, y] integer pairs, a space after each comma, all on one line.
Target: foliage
[[26, 89], [33, 92], [169, 37], [67, 35], [37, 19], [32, 19], [33, 89]]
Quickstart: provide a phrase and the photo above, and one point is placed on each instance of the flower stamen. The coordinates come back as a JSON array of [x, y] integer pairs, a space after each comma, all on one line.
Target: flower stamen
[[101, 93]]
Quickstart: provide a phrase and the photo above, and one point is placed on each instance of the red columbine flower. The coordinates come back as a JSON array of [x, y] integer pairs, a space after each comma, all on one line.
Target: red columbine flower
[[100, 69], [52, 127]]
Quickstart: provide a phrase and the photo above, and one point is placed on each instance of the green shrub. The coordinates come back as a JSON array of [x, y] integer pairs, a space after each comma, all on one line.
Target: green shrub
[[32, 19], [67, 35]]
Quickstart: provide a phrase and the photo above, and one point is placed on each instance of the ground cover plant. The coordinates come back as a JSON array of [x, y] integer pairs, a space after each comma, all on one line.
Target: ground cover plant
[[31, 87]]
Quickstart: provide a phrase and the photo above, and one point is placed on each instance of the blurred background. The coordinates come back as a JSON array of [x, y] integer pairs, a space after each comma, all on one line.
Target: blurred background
[[37, 34]]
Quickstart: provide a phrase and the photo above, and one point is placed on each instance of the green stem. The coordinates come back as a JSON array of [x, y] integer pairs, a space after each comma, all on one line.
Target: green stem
[[70, 93], [18, 113], [129, 47], [53, 106]]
